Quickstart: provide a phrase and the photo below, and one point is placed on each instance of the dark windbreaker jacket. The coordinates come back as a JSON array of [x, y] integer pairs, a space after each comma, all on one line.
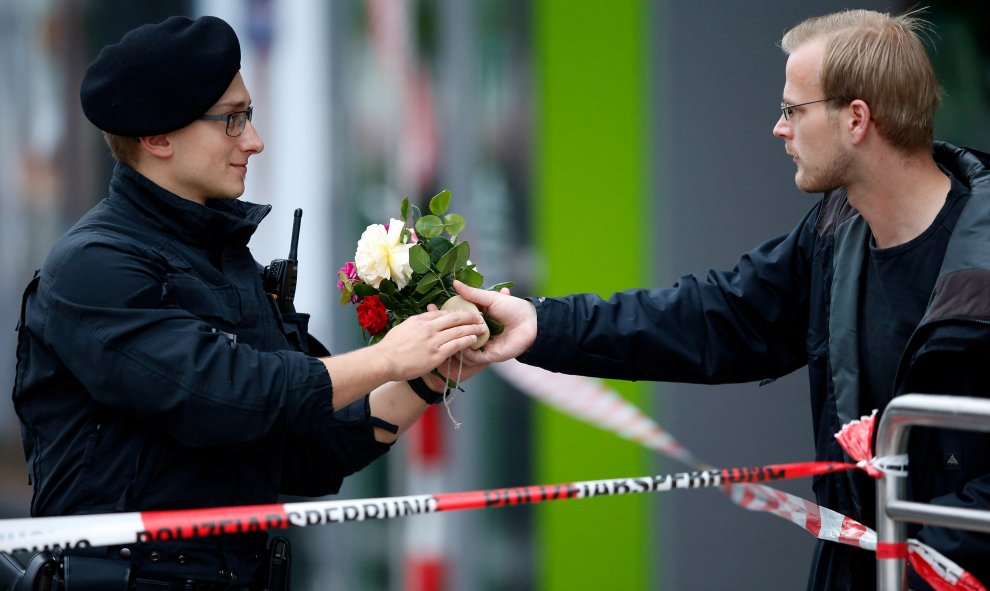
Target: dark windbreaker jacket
[[793, 302], [153, 372]]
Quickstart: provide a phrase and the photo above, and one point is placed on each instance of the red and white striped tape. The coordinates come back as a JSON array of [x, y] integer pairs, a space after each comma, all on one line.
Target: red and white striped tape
[[739, 483], [125, 528], [820, 522], [937, 570], [590, 400]]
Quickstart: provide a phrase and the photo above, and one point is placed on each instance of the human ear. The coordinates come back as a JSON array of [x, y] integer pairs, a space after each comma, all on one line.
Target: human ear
[[159, 146], [859, 120]]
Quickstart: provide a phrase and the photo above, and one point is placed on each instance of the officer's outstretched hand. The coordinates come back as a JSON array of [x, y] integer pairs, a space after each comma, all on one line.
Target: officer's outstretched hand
[[517, 315], [422, 342]]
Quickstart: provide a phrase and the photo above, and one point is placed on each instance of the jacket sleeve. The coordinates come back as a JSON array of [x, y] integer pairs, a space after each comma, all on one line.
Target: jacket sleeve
[[963, 481], [296, 327], [968, 549], [317, 464], [164, 365], [746, 324]]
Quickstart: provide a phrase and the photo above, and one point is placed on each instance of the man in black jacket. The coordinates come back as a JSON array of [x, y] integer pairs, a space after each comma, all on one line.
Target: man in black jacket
[[880, 290], [153, 371]]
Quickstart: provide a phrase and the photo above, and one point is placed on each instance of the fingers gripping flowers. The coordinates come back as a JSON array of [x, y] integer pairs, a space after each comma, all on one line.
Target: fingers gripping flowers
[[398, 272]]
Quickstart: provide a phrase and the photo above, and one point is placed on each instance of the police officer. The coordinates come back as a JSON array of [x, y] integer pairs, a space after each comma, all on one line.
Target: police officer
[[154, 372]]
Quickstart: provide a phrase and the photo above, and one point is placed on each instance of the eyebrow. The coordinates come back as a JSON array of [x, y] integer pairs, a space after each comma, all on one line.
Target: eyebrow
[[232, 104]]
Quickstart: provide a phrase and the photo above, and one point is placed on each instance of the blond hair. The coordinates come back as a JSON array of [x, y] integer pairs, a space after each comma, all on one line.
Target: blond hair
[[123, 148], [881, 60]]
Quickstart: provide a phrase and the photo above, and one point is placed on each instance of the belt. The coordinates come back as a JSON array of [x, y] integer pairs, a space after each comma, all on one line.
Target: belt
[[141, 584], [146, 584]]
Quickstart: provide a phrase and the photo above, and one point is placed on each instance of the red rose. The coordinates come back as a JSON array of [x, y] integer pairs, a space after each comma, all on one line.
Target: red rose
[[372, 315]]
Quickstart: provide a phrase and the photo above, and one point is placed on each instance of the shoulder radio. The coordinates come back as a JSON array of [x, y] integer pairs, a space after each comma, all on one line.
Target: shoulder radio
[[279, 276]]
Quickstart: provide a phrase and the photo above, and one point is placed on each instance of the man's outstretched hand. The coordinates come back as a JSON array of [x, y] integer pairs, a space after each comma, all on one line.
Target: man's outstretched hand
[[517, 315]]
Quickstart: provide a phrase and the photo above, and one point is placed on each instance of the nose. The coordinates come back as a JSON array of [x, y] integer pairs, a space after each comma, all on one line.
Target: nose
[[782, 128], [251, 139]]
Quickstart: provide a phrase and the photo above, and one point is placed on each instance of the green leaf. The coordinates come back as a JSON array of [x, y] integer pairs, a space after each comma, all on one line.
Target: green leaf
[[389, 301], [463, 254], [348, 290], [451, 384], [427, 283], [440, 202], [454, 260], [363, 290], [437, 247], [494, 326], [387, 286], [404, 209], [419, 259], [454, 224], [377, 337], [408, 307], [448, 262], [429, 226], [470, 277], [430, 298], [499, 286]]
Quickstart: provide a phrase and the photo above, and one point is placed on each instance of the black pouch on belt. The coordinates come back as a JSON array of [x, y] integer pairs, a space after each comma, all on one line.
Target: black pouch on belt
[[279, 564], [83, 573]]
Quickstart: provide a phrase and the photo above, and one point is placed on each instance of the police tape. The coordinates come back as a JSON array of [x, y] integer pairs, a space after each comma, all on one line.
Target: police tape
[[937, 570], [590, 400], [819, 521], [596, 404], [125, 528]]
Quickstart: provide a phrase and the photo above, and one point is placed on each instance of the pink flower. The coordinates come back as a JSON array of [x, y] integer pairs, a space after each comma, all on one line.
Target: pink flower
[[349, 271]]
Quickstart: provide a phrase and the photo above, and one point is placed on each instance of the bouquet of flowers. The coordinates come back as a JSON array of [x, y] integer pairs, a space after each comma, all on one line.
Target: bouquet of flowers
[[398, 271]]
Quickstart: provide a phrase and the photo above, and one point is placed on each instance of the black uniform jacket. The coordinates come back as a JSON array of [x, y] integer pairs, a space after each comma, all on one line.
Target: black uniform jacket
[[153, 372], [793, 302]]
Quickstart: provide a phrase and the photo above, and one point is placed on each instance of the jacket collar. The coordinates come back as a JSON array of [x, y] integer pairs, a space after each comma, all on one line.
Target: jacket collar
[[968, 248], [221, 222], [959, 304]]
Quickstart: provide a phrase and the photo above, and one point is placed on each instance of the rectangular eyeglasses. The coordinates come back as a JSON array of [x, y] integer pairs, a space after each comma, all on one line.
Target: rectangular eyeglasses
[[236, 121]]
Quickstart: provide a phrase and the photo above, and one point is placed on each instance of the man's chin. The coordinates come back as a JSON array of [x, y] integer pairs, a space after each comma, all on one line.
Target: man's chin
[[813, 186]]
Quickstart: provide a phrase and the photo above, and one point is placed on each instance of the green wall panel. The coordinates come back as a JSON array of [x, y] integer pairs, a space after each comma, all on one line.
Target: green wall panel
[[592, 233]]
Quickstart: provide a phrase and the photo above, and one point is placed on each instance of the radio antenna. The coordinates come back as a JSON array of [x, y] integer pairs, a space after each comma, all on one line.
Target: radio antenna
[[294, 245]]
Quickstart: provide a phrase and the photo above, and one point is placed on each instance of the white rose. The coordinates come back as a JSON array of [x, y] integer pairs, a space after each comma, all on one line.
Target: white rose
[[382, 255]]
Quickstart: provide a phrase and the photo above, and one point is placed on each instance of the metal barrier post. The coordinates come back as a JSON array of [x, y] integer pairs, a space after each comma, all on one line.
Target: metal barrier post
[[920, 410]]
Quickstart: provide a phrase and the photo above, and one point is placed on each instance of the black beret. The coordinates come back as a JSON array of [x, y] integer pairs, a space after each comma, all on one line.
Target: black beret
[[160, 77]]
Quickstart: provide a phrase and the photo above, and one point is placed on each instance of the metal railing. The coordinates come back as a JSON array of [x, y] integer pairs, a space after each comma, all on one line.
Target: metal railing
[[920, 410]]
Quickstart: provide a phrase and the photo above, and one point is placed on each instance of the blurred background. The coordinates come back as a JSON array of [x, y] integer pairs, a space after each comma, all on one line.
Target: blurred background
[[592, 146]]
